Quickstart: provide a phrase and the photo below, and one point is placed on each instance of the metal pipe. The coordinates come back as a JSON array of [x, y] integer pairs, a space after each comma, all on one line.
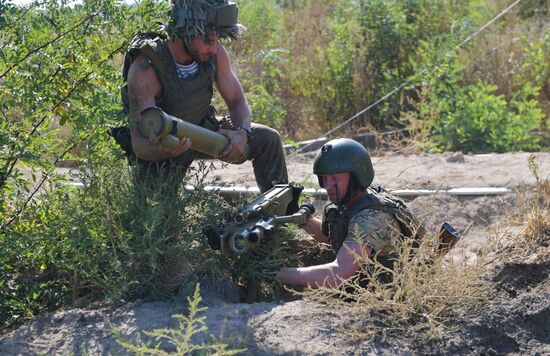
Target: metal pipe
[[242, 192], [407, 194]]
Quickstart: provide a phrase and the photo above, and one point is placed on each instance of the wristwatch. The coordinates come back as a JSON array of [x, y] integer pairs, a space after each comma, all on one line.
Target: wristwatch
[[248, 131]]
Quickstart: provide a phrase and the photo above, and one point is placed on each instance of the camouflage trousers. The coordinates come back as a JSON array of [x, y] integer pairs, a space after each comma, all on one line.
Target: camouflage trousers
[[265, 150]]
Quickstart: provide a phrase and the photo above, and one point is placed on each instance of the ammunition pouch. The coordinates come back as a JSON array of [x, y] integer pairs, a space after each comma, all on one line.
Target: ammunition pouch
[[210, 122], [335, 226]]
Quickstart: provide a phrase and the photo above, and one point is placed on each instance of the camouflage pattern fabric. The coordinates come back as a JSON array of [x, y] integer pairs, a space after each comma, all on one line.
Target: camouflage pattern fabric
[[377, 229], [203, 17]]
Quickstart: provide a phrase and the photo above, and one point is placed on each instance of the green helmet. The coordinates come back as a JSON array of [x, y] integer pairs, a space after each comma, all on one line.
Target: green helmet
[[344, 155], [192, 18]]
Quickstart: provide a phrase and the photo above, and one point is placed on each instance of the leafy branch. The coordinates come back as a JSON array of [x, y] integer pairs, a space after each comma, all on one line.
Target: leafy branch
[[52, 41], [12, 160]]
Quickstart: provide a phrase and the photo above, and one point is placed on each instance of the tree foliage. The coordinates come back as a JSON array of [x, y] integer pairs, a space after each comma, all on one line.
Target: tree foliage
[[59, 87]]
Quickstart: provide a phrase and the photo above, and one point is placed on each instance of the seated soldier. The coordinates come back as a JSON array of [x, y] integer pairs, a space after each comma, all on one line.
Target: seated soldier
[[176, 76], [361, 222]]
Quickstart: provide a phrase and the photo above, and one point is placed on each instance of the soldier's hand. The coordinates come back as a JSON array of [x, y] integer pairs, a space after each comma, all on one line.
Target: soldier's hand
[[236, 150], [177, 149]]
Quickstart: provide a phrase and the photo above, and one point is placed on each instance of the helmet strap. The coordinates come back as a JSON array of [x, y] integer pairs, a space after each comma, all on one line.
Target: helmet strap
[[337, 195], [350, 192]]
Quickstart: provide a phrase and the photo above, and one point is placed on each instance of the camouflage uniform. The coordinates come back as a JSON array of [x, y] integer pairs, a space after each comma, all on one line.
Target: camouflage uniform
[[380, 230], [378, 220], [376, 229]]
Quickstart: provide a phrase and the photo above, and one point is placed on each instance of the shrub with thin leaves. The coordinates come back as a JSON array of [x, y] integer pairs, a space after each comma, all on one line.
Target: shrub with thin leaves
[[257, 269], [190, 338], [115, 238]]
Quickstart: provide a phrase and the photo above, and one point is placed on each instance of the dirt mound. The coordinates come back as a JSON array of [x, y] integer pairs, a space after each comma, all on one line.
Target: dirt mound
[[516, 321]]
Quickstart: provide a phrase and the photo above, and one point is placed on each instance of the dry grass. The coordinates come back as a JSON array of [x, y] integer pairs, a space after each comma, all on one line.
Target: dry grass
[[426, 292], [501, 52], [527, 234], [415, 115], [537, 227]]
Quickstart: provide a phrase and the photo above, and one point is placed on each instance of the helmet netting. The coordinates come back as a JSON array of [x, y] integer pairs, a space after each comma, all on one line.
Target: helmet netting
[[189, 19]]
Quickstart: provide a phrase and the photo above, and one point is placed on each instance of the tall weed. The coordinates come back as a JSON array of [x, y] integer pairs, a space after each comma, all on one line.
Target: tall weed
[[421, 294], [184, 340], [537, 226]]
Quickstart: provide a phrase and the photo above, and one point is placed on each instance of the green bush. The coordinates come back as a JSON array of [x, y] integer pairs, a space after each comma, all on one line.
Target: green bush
[[115, 238], [58, 92], [264, 24], [267, 108], [340, 56], [479, 121], [471, 118], [345, 55]]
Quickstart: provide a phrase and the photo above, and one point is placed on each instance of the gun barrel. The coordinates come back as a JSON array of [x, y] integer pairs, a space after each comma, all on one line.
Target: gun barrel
[[259, 219], [238, 242], [256, 235]]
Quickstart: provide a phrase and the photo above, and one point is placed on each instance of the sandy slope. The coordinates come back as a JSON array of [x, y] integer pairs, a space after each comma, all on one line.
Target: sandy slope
[[397, 171], [515, 322]]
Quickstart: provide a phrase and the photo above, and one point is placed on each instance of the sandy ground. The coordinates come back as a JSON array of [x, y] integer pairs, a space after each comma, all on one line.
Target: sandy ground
[[516, 322], [398, 171]]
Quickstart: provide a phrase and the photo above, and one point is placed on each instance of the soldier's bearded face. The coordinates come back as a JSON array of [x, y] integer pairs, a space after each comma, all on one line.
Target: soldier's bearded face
[[336, 185], [200, 48]]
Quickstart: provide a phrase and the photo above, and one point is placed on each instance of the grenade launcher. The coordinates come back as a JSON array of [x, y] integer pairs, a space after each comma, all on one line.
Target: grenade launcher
[[259, 219], [158, 126]]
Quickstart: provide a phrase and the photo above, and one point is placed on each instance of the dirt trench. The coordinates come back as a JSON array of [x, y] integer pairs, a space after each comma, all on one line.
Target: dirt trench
[[515, 322]]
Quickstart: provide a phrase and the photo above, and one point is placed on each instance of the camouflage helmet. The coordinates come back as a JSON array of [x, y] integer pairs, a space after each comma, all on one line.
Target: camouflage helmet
[[192, 18], [344, 155]]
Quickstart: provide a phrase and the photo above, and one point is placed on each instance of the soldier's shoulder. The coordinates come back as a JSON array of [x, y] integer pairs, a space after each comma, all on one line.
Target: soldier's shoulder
[[142, 39], [371, 216], [369, 221]]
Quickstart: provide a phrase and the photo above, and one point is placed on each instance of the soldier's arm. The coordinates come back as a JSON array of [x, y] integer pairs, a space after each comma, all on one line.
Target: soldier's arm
[[231, 91], [346, 264], [143, 88], [313, 228]]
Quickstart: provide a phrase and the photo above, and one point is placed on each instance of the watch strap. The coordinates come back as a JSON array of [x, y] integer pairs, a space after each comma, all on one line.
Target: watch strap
[[248, 131]]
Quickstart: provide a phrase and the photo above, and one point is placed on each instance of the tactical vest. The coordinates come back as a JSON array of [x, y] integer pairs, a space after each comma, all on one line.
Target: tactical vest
[[188, 99], [336, 219]]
